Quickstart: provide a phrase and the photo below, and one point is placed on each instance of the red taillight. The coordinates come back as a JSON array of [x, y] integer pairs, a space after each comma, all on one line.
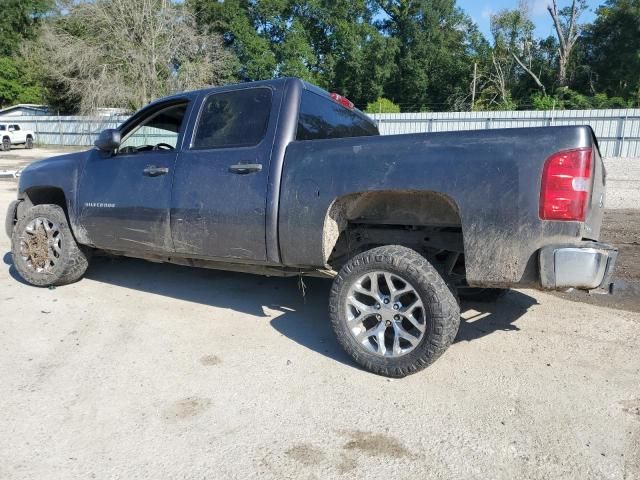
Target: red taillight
[[566, 185], [345, 102]]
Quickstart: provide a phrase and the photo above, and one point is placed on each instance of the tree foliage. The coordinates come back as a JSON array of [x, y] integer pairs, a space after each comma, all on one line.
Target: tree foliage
[[612, 46], [334, 44], [19, 21], [117, 53], [382, 105], [430, 48], [417, 54]]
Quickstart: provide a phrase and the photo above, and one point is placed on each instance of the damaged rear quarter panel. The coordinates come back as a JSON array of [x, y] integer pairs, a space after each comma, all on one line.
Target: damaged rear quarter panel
[[493, 177]]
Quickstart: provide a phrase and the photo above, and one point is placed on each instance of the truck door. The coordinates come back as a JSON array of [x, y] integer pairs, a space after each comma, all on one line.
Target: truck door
[[220, 185], [124, 198], [18, 135]]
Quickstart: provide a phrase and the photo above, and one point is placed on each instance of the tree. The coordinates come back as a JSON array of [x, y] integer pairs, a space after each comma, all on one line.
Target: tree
[[352, 56], [565, 22], [512, 53], [431, 50], [16, 83], [332, 43], [118, 53], [19, 21], [382, 105], [612, 45]]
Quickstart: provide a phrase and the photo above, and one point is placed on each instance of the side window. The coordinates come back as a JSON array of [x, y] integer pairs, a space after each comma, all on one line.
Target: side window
[[233, 119], [16, 128], [3, 128], [157, 132], [321, 118]]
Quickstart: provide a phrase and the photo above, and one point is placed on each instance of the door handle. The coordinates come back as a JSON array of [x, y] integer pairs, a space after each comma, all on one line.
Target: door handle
[[244, 168], [153, 171]]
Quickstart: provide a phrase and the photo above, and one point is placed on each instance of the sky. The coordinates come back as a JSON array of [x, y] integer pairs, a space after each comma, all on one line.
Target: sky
[[481, 10]]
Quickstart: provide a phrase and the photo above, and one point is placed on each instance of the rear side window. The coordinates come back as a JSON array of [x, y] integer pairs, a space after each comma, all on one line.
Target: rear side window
[[233, 119], [321, 117], [3, 128]]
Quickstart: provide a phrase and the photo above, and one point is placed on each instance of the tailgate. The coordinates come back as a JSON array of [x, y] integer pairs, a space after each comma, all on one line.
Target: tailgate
[[593, 222]]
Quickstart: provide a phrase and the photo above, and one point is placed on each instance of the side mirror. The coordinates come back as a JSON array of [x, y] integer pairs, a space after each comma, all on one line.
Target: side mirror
[[108, 140]]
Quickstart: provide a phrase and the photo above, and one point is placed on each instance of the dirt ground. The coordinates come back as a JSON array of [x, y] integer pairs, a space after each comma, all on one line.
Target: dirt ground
[[146, 370], [622, 229]]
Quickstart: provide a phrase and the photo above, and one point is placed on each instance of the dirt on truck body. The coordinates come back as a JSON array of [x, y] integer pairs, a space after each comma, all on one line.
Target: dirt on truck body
[[281, 177]]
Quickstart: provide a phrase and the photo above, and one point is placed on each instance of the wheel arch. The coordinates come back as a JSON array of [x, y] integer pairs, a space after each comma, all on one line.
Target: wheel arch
[[50, 194], [388, 207]]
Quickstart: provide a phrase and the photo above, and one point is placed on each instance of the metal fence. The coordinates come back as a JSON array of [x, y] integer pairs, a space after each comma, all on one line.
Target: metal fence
[[618, 130], [65, 130]]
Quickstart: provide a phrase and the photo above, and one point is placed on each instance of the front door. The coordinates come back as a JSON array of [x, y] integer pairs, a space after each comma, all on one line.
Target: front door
[[124, 199], [220, 184]]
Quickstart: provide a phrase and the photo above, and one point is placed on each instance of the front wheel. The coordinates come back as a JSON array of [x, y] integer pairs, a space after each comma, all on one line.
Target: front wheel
[[44, 250], [28, 143], [392, 311], [6, 144]]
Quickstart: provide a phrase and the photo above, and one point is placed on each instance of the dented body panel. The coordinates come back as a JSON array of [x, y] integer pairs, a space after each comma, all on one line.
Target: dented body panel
[[290, 213], [492, 177]]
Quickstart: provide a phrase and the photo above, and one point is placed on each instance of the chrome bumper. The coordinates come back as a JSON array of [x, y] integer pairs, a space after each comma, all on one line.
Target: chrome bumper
[[587, 266]]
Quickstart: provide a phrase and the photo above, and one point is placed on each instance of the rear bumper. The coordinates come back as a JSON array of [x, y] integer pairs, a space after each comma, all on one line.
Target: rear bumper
[[587, 266]]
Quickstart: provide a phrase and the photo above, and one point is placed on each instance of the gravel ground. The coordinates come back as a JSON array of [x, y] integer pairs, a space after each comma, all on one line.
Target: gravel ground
[[144, 370], [623, 183]]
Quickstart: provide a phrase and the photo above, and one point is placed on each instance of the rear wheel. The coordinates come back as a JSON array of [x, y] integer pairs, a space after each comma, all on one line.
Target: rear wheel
[[29, 143], [392, 311], [44, 250], [6, 144]]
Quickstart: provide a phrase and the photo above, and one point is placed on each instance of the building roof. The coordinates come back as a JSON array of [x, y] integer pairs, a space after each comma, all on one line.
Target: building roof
[[24, 106]]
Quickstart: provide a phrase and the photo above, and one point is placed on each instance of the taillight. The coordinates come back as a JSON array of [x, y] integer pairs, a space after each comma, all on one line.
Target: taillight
[[345, 102], [566, 185]]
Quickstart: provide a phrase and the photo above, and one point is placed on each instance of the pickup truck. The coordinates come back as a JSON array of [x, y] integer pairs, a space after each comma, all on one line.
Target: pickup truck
[[14, 134], [282, 178]]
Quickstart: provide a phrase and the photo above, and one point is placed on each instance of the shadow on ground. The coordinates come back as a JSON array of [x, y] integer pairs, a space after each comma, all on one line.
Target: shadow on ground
[[302, 303]]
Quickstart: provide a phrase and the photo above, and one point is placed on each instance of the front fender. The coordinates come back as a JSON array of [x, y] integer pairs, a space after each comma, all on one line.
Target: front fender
[[59, 173]]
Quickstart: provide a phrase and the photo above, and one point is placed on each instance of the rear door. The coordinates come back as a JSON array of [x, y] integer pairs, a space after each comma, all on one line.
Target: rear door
[[124, 198], [220, 185]]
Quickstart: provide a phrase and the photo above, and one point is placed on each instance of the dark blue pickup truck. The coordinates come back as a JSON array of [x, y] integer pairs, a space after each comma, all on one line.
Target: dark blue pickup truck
[[282, 178]]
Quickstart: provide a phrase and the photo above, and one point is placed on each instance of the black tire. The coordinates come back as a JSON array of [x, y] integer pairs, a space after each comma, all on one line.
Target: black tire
[[28, 143], [483, 295], [73, 259], [442, 312], [6, 144]]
